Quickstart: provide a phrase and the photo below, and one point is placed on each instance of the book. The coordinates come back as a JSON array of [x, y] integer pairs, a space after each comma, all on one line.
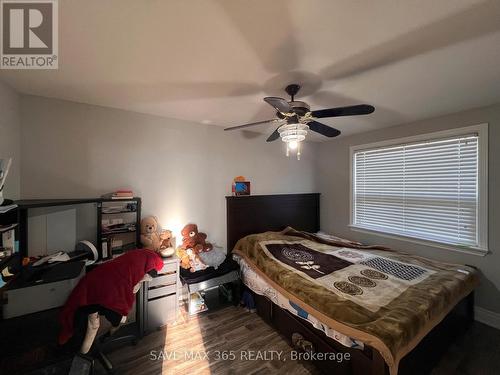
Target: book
[[119, 194]]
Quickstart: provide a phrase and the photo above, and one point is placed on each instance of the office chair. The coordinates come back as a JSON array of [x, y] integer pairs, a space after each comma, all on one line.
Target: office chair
[[108, 290], [87, 323]]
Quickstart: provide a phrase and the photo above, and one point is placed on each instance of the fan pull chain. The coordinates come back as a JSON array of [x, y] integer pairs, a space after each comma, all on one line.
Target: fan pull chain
[[298, 151]]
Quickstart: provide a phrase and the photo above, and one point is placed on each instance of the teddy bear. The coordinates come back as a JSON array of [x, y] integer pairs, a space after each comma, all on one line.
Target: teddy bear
[[192, 239], [193, 243], [167, 246], [196, 253], [152, 239]]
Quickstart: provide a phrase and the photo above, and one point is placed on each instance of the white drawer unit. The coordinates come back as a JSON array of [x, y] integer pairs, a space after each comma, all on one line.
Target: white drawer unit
[[162, 301]]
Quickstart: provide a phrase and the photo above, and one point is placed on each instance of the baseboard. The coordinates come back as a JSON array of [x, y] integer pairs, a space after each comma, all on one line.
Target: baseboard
[[487, 317]]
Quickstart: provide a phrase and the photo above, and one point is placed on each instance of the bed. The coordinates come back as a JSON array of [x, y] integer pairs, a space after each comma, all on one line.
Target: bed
[[409, 347]]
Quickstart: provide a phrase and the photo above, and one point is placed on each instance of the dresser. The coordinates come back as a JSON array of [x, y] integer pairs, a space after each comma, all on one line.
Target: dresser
[[161, 299]]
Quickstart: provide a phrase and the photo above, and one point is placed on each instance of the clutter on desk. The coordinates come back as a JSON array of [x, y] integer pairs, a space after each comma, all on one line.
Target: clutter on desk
[[60, 256], [41, 288], [7, 206]]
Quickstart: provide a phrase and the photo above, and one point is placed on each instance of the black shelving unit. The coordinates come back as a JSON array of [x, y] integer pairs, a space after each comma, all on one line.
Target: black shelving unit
[[27, 204], [43, 326], [103, 237], [20, 215], [7, 220]]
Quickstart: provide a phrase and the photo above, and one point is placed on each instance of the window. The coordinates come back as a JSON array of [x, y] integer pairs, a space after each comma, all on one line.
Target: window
[[430, 188]]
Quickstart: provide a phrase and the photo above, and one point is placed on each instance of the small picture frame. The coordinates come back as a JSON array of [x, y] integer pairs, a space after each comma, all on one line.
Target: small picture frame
[[242, 188]]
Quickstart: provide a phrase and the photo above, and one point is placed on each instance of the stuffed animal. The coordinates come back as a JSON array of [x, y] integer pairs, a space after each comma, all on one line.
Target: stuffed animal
[[150, 238], [183, 255], [189, 259], [166, 247], [213, 258], [193, 243], [166, 239], [194, 261], [191, 238]]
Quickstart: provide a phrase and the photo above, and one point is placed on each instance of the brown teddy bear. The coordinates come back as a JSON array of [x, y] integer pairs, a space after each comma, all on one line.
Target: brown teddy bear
[[193, 242], [167, 246], [192, 239], [166, 237]]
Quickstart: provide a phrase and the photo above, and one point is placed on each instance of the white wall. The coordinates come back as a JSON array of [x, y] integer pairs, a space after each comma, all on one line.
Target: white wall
[[182, 170], [10, 138], [333, 171]]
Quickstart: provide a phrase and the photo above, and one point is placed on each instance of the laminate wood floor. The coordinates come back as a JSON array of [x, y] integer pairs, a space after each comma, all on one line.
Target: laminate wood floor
[[233, 330], [228, 331]]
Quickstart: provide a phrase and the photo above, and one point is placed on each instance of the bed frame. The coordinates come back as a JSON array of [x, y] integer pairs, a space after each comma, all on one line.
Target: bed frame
[[256, 214]]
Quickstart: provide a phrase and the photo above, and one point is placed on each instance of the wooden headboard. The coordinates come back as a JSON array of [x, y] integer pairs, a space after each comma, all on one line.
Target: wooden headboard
[[260, 213]]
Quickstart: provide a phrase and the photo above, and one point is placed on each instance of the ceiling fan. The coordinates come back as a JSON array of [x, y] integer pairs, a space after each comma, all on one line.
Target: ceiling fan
[[294, 118]]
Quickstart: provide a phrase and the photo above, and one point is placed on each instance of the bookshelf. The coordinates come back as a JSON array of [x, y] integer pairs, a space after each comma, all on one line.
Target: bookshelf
[[9, 233], [134, 235], [118, 226]]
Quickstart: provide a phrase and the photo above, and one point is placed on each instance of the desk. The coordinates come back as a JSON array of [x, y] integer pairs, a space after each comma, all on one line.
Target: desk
[[39, 289]]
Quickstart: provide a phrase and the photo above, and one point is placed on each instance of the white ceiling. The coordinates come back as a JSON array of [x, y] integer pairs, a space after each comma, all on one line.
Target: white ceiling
[[213, 61]]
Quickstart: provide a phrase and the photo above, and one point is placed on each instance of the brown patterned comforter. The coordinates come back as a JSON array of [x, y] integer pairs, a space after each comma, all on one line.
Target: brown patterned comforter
[[387, 299]]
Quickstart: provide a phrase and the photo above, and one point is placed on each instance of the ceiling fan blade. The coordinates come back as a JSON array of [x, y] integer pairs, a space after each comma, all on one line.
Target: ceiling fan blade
[[280, 104], [361, 109], [250, 124], [274, 136], [323, 129]]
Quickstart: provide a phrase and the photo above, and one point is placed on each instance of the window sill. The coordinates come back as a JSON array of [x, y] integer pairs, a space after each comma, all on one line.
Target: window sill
[[459, 249]]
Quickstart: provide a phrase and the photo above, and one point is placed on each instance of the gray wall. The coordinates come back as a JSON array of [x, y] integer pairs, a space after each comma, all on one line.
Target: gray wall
[[334, 182], [10, 138], [182, 170]]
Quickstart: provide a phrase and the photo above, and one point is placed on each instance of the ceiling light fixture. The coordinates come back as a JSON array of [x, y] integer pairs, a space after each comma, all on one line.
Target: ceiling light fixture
[[293, 135]]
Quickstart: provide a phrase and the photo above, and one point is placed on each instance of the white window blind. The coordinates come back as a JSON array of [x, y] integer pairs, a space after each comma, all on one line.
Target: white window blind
[[426, 190]]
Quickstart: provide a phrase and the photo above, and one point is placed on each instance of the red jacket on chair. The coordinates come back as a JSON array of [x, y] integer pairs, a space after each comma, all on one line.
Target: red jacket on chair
[[109, 285]]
